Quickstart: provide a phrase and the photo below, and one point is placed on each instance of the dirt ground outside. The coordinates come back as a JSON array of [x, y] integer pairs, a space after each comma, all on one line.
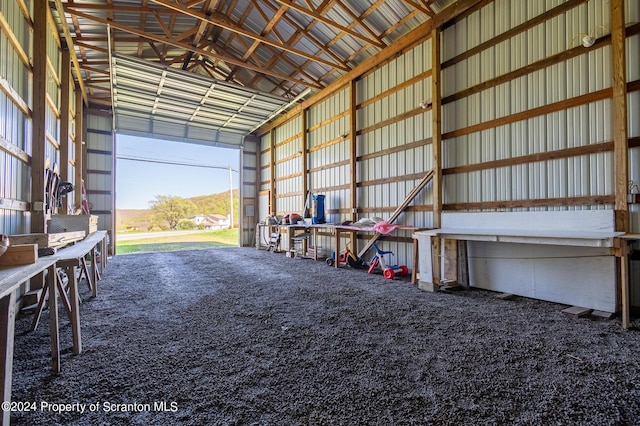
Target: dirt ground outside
[[245, 337]]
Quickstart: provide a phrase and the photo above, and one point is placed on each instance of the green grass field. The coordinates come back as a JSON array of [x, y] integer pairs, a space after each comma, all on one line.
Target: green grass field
[[199, 241]]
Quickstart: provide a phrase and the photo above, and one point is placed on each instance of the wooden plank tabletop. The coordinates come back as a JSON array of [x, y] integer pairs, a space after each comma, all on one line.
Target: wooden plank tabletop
[[630, 236], [527, 236], [12, 276], [81, 248]]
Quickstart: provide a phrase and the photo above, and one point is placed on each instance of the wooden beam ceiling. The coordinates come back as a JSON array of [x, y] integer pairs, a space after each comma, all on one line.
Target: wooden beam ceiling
[[280, 46]]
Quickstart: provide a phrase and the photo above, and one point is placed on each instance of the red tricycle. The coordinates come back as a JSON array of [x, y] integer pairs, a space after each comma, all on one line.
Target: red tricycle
[[388, 271]]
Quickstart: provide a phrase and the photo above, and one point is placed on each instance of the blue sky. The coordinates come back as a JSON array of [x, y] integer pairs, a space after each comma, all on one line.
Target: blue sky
[[137, 183]]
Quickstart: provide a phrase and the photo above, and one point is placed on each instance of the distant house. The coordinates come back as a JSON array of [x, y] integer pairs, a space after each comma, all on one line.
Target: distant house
[[210, 221]]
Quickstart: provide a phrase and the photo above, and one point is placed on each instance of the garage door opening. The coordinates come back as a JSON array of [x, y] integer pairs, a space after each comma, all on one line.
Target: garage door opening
[[175, 196]]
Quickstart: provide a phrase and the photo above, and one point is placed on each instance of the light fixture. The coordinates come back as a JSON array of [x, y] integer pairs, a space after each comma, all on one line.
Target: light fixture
[[425, 104], [589, 40]]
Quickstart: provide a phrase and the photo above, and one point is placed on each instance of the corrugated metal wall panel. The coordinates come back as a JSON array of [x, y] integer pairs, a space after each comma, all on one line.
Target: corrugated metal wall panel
[[585, 74], [382, 187], [264, 164], [15, 125], [577, 126], [53, 92], [288, 167], [633, 74], [99, 182], [249, 211]]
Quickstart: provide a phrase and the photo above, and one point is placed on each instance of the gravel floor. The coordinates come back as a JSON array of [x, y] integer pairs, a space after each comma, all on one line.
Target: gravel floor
[[246, 337]]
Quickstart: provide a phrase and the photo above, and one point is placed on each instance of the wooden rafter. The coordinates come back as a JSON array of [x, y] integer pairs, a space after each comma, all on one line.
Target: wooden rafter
[[298, 36], [300, 32], [357, 19], [321, 18], [182, 45], [417, 6], [294, 39], [274, 20], [409, 39], [143, 23], [276, 55], [69, 40], [219, 39], [226, 24], [200, 30]]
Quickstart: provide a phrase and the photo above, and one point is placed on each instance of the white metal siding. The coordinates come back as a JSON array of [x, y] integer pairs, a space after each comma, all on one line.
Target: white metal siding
[[579, 126], [582, 125], [380, 199], [15, 125], [99, 163], [288, 167], [249, 214], [632, 14]]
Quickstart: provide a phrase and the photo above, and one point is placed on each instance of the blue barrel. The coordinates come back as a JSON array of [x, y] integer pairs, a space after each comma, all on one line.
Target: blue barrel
[[318, 209]]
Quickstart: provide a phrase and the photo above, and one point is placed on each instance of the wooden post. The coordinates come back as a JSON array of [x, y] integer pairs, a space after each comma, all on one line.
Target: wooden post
[[305, 164], [416, 262], [353, 160], [272, 171], [620, 143], [463, 264], [79, 163], [620, 131], [436, 122], [304, 150], [40, 30], [436, 144], [65, 87], [450, 264]]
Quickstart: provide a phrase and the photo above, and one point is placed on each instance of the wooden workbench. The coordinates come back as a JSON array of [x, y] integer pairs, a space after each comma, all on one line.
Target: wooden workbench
[[70, 258], [10, 280], [563, 256]]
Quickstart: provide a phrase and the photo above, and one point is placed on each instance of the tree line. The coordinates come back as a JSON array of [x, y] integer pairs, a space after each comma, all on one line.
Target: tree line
[[172, 212]]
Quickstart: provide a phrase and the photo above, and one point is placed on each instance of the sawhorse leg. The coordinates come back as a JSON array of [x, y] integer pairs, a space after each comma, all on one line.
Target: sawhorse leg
[[84, 270], [95, 273], [7, 331], [75, 309], [43, 298], [52, 284]]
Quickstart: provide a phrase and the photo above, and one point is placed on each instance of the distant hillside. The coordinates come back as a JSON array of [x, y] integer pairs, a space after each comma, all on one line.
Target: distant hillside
[[138, 219], [132, 219], [216, 203]]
